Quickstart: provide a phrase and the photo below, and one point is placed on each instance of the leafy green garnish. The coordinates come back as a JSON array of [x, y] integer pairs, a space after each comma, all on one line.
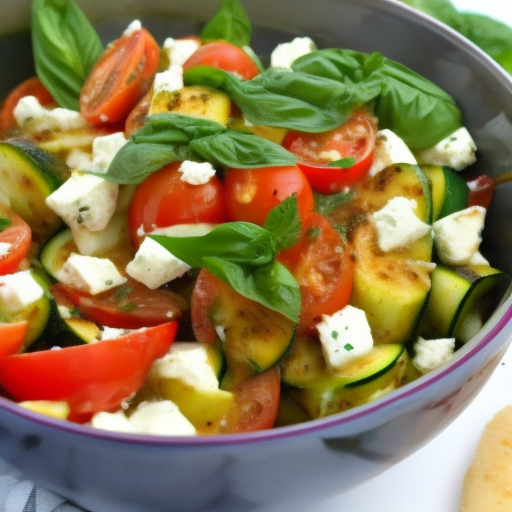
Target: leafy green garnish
[[65, 47], [5, 222], [169, 137], [243, 255], [343, 163], [230, 24]]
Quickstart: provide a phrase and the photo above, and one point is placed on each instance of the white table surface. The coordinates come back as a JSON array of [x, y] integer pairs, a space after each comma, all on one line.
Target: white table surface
[[414, 484]]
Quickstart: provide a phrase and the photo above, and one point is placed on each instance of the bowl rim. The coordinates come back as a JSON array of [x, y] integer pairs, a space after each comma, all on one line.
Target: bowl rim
[[496, 325]]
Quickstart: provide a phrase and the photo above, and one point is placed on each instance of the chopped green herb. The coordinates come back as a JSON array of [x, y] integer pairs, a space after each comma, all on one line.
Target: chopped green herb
[[128, 307], [335, 335], [4, 223], [348, 347], [343, 163], [109, 282]]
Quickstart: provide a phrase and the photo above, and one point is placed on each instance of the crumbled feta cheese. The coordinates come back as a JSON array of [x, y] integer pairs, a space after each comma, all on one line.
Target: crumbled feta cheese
[[169, 80], [79, 160], [179, 50], [18, 290], [4, 249], [285, 54], [456, 151], [133, 27], [397, 225], [187, 362], [430, 354], [389, 149], [89, 274], [153, 265], [104, 149], [458, 236], [29, 110], [196, 173], [110, 333], [344, 335], [85, 200], [156, 418]]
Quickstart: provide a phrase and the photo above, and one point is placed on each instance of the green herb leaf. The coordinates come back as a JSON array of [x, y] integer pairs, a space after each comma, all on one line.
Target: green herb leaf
[[5, 222], [230, 24], [284, 223], [344, 163], [443, 10], [326, 204], [65, 47]]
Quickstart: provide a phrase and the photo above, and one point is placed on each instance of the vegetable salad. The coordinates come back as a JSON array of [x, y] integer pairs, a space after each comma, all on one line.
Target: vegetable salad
[[195, 240]]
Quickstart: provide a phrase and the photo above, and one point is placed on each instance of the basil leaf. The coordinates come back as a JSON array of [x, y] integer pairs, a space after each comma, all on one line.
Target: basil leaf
[[230, 24], [344, 163], [65, 47], [443, 10], [283, 222], [271, 285], [5, 222], [294, 100], [241, 150]]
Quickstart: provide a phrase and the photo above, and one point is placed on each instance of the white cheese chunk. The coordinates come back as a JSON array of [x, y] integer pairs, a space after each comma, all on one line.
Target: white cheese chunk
[[85, 200], [110, 333], [390, 149], [196, 173], [169, 80], [456, 151], [30, 114], [153, 265], [18, 290], [344, 335], [397, 225], [156, 418], [104, 149], [458, 236], [430, 354], [285, 54], [89, 274], [188, 362], [179, 50], [5, 248], [133, 27]]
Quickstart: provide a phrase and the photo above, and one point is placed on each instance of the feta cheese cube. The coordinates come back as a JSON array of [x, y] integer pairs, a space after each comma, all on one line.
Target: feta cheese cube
[[458, 236], [4, 249], [285, 54], [456, 151], [156, 418], [196, 173], [85, 200], [179, 50], [133, 27], [30, 114], [169, 80], [153, 265], [390, 149], [18, 290], [104, 149], [89, 274], [344, 336], [397, 225], [188, 362], [430, 354]]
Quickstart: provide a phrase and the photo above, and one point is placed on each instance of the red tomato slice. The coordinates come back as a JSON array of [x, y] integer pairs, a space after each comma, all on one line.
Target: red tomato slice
[[137, 117], [163, 199], [355, 139], [256, 403], [120, 78], [252, 193], [223, 55], [204, 294], [30, 87], [129, 306], [18, 235], [481, 191], [91, 378], [322, 264], [12, 337]]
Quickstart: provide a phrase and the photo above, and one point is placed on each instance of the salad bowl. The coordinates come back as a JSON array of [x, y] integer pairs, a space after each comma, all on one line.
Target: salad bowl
[[286, 467]]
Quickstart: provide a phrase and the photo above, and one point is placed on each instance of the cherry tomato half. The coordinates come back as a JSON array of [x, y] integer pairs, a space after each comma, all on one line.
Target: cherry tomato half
[[120, 78], [223, 55], [163, 199], [18, 235], [12, 336], [322, 264], [252, 193], [354, 140], [90, 378]]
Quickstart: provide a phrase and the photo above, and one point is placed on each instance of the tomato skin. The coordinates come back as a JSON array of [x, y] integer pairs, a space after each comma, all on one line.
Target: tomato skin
[[322, 264], [163, 199], [30, 87], [120, 78], [223, 55], [91, 378], [481, 191], [12, 336], [252, 193], [19, 235], [130, 306], [353, 139]]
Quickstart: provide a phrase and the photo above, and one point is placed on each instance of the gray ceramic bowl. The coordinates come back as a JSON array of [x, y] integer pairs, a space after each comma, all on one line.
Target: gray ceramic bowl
[[285, 467]]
